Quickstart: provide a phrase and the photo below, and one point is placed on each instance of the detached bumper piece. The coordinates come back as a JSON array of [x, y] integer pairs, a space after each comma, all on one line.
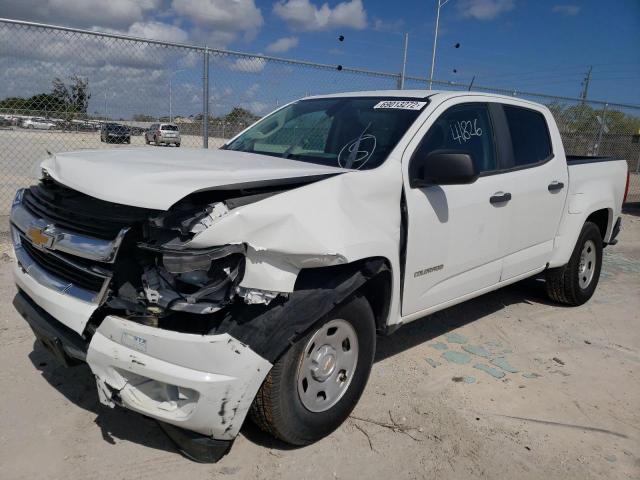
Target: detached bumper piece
[[195, 446], [198, 387]]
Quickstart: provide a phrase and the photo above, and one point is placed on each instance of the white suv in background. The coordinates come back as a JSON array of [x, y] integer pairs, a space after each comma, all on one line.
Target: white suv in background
[[163, 133]]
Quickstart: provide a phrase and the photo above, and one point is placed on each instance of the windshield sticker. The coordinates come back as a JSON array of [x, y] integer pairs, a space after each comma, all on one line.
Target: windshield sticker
[[463, 130], [400, 104]]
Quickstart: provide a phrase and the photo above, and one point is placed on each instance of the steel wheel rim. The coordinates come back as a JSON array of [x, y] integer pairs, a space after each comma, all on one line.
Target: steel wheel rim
[[587, 265], [327, 365]]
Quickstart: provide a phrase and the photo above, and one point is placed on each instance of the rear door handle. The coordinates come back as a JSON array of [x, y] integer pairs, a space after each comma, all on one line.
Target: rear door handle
[[555, 186], [500, 197]]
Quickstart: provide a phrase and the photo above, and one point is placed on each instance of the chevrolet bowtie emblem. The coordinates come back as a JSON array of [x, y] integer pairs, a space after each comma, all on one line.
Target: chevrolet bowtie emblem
[[39, 238]]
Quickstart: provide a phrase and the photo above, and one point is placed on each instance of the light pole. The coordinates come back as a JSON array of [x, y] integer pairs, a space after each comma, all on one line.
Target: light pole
[[435, 39], [171, 93]]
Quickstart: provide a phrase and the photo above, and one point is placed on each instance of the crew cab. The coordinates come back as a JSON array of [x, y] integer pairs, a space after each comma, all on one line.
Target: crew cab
[[201, 286]]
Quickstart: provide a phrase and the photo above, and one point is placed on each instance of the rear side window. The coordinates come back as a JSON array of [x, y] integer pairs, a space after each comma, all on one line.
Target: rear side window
[[529, 135], [463, 128]]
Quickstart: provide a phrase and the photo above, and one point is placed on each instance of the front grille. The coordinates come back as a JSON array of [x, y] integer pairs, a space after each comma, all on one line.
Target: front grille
[[56, 266], [70, 209]]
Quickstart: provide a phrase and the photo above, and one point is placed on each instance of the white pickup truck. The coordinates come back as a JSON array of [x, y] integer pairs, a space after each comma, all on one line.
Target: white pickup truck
[[201, 286]]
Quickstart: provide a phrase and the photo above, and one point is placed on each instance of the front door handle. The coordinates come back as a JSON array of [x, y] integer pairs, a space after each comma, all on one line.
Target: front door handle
[[500, 197], [555, 186]]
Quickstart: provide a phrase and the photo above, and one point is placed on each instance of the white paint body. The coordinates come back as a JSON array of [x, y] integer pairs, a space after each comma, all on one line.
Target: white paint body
[[350, 216]]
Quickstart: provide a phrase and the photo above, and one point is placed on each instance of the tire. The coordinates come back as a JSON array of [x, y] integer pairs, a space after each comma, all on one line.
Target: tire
[[129, 140], [278, 408], [177, 144], [146, 140], [574, 283]]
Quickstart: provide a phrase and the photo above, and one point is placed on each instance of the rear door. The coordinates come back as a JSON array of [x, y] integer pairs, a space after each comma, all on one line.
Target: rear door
[[538, 182], [455, 234]]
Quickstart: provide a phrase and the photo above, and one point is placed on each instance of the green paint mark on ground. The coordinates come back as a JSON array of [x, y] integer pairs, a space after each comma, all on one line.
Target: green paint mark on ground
[[494, 372], [456, 338], [502, 363], [433, 363], [493, 343], [456, 357], [507, 350], [477, 350], [439, 346], [530, 375]]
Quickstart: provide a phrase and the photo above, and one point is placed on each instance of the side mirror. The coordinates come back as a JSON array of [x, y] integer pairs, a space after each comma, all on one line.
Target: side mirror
[[442, 167]]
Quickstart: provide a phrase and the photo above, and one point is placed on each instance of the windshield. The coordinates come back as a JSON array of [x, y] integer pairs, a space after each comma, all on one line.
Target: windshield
[[169, 127], [347, 132]]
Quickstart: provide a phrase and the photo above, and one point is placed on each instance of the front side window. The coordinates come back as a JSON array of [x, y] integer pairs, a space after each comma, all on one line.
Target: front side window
[[346, 132], [529, 135], [464, 128]]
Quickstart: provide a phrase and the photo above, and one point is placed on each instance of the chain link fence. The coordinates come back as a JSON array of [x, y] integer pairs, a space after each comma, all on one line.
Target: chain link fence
[[65, 89]]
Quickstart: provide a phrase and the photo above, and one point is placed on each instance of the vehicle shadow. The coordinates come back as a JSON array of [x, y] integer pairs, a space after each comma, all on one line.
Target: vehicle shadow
[[444, 321], [631, 208], [77, 384], [430, 327]]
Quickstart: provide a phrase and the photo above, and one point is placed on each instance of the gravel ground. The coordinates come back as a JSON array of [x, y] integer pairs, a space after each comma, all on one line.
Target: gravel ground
[[505, 386]]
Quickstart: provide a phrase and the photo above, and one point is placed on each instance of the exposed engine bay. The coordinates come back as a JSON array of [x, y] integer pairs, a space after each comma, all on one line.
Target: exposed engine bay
[[157, 279]]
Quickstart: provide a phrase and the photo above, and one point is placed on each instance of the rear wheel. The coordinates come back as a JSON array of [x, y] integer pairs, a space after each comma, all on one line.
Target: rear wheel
[[177, 144], [575, 282], [316, 384]]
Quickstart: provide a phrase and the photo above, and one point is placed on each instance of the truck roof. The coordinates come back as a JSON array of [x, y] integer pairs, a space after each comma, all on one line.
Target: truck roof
[[441, 94]]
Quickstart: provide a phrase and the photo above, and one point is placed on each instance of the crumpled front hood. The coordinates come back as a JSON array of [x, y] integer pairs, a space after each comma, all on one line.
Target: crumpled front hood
[[158, 178]]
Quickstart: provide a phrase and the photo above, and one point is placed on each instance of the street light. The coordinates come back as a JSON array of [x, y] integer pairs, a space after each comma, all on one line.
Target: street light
[[435, 40], [170, 92]]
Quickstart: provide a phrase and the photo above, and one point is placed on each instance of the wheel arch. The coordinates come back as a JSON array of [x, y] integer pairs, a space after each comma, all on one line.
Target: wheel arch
[[269, 330], [377, 289], [603, 219]]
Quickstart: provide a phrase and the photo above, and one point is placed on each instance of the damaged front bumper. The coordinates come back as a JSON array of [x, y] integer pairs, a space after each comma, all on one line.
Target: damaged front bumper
[[197, 383]]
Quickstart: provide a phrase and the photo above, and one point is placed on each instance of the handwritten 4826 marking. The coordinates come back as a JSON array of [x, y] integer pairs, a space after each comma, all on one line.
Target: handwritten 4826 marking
[[463, 130]]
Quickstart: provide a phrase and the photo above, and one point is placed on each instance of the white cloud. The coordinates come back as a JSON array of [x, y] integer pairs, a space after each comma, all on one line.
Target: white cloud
[[80, 13], [282, 45], [252, 90], [387, 25], [158, 31], [248, 65], [303, 15], [223, 19], [484, 9], [570, 10]]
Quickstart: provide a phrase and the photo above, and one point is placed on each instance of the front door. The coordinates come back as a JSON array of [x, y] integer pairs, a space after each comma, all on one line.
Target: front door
[[456, 233]]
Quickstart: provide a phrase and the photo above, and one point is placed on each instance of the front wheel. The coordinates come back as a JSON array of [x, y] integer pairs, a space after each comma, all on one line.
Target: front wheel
[[316, 384], [575, 282]]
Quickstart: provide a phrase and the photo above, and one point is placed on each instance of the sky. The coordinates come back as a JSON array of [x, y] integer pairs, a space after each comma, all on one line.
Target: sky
[[544, 46]]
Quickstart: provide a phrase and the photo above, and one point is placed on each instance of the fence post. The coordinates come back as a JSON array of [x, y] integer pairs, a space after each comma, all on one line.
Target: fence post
[[205, 100], [603, 123]]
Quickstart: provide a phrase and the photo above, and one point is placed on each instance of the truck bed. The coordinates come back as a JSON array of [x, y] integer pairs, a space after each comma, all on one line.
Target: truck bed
[[578, 159]]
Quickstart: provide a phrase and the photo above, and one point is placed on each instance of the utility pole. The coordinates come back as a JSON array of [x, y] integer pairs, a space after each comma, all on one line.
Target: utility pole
[[404, 60], [435, 40], [585, 86]]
